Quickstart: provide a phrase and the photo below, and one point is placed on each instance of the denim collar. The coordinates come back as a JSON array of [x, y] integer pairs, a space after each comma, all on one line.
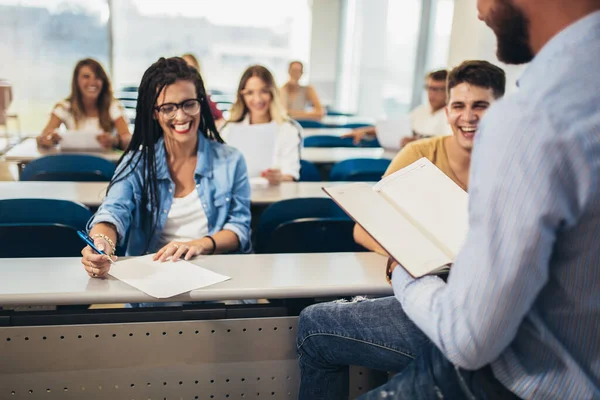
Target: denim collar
[[204, 165]]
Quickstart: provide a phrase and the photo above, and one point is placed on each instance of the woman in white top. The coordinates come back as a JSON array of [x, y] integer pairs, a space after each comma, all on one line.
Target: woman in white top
[[296, 97], [91, 107], [257, 102]]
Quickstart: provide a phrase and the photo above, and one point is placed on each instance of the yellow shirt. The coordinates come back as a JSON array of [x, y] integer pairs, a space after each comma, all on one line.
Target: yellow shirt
[[433, 149]]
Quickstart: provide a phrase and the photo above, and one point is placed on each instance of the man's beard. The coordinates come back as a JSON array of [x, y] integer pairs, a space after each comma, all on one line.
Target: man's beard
[[511, 28]]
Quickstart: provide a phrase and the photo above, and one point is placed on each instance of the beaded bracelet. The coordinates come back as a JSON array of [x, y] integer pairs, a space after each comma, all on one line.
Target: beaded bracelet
[[108, 240]]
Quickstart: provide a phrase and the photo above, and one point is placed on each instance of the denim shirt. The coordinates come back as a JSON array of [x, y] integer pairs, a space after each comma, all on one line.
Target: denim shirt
[[223, 188]]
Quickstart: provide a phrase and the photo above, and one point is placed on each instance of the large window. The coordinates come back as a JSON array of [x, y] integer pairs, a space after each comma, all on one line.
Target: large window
[[379, 47], [41, 42], [226, 36]]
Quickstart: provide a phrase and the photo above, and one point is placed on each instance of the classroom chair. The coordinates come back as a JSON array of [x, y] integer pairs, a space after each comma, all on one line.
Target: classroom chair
[[41, 227], [69, 167], [355, 125], [359, 170], [309, 172], [327, 141], [309, 123], [305, 225]]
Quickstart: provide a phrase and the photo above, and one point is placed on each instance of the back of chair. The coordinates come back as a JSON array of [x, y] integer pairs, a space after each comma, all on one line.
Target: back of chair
[[309, 172], [69, 167], [314, 235], [293, 209], [359, 170], [309, 123], [327, 141], [41, 227]]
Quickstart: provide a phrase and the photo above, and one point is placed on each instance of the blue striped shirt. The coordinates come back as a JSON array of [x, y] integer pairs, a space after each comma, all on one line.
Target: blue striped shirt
[[524, 292]]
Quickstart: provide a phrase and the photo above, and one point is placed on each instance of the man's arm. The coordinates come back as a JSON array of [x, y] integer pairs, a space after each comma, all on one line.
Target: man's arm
[[514, 217]]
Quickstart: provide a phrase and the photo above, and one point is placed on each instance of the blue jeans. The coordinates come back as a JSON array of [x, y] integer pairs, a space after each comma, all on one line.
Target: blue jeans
[[377, 334]]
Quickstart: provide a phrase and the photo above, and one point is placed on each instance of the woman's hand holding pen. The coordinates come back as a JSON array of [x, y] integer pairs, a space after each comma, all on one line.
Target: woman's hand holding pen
[[97, 265]]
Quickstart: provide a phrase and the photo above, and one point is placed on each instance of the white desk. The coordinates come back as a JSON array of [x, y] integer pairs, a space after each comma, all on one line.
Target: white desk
[[60, 281], [339, 120], [91, 194], [179, 354], [320, 155], [307, 132], [27, 151]]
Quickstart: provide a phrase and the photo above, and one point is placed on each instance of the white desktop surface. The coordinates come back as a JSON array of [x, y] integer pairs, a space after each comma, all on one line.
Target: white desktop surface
[[27, 151], [307, 132], [325, 155], [92, 193], [59, 281]]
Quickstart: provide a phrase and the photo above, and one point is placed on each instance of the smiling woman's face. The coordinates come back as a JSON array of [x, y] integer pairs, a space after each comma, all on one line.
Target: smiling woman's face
[[181, 127]]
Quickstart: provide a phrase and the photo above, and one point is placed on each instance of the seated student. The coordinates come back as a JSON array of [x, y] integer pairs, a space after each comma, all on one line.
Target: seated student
[[178, 190], [257, 102], [427, 120], [472, 86], [295, 97], [90, 107], [217, 114]]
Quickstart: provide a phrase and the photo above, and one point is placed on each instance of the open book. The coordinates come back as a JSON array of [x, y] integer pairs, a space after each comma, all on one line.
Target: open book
[[417, 214]]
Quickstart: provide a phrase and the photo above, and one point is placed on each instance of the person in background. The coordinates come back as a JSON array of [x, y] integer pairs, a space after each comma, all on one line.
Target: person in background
[[296, 97], [178, 190], [519, 314], [472, 87], [91, 107], [427, 120], [217, 114], [258, 102]]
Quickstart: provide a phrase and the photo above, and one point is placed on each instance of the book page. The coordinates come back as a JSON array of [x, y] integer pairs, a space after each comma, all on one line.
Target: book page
[[80, 140], [163, 280], [403, 241], [257, 144], [432, 201], [391, 132]]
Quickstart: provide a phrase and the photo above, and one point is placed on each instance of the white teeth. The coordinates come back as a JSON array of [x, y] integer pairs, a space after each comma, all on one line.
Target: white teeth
[[466, 129], [183, 127]]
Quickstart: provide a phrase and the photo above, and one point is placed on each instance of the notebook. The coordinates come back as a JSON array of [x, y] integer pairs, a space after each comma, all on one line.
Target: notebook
[[417, 214], [80, 140], [256, 143], [391, 132]]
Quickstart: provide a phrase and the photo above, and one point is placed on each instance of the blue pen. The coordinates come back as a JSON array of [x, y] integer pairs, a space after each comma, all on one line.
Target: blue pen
[[84, 236]]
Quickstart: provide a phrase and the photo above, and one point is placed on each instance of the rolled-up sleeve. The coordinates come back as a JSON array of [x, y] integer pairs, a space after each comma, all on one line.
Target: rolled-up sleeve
[[238, 219]]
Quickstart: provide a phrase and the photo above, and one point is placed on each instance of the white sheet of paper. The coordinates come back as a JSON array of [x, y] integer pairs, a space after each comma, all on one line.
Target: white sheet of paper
[[257, 144], [162, 280], [391, 132], [80, 140]]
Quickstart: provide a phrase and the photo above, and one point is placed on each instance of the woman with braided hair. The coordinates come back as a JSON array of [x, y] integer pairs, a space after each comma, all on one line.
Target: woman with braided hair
[[178, 189]]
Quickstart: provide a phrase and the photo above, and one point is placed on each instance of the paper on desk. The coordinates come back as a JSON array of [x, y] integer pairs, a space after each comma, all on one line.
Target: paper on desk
[[80, 140], [162, 280], [256, 143]]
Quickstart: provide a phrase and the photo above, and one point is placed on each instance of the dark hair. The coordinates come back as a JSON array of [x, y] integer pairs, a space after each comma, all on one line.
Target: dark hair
[[105, 97], [147, 131], [479, 73], [296, 62], [439, 75]]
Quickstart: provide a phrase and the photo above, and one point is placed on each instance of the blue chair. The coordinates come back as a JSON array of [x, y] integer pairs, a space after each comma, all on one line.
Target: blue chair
[[41, 227], [359, 170], [308, 123], [327, 141], [309, 172], [69, 167], [355, 125], [304, 224]]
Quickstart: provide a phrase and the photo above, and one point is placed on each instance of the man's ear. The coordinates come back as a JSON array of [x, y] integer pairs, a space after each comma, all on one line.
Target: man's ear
[[447, 112]]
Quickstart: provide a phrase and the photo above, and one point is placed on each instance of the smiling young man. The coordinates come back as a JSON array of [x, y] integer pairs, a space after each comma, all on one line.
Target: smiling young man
[[472, 87], [519, 314]]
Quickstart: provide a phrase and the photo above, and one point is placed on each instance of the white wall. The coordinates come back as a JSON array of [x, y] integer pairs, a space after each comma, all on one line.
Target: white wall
[[471, 39], [324, 47]]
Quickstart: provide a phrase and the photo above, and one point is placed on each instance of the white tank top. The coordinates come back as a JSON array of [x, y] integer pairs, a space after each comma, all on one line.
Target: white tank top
[[186, 220]]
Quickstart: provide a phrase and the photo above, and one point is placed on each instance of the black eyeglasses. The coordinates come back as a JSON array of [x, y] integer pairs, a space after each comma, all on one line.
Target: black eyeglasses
[[190, 106]]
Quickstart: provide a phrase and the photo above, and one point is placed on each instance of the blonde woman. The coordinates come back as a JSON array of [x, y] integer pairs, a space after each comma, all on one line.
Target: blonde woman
[[257, 102], [90, 107]]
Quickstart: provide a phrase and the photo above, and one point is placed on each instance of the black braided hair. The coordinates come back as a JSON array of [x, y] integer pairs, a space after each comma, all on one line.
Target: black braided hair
[[147, 131]]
